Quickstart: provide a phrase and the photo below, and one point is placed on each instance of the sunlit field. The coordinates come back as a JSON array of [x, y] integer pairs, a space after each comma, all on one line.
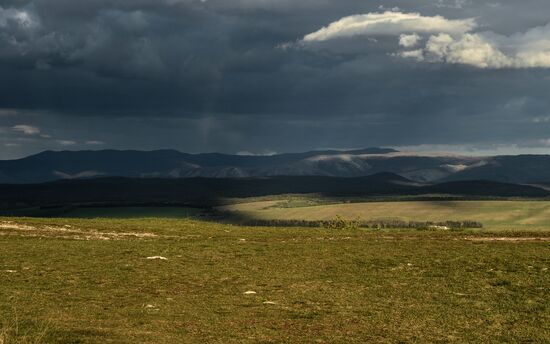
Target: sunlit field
[[517, 215]]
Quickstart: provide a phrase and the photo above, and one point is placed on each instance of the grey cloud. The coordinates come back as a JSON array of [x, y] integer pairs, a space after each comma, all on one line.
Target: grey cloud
[[209, 76], [26, 129]]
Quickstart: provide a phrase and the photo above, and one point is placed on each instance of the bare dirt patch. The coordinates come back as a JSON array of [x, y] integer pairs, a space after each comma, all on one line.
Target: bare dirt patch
[[68, 232], [508, 239]]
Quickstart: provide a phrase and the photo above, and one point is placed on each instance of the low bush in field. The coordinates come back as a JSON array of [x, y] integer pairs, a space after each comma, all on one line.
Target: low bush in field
[[341, 223], [423, 225]]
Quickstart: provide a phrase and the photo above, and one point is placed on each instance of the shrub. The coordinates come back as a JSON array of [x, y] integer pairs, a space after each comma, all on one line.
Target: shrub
[[339, 222]]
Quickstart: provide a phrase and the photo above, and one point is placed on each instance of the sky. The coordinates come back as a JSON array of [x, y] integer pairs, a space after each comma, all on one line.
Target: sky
[[266, 76]]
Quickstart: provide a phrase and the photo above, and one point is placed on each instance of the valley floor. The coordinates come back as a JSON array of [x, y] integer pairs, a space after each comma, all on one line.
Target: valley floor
[[182, 281]]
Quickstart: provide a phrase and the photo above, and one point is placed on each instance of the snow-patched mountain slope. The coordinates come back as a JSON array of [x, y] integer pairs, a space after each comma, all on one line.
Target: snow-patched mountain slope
[[48, 166]]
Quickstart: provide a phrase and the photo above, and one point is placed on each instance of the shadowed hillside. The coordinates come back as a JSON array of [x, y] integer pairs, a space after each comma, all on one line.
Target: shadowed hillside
[[209, 191]]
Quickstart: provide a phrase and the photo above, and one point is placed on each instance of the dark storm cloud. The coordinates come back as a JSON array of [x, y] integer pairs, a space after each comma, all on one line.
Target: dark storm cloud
[[233, 76]]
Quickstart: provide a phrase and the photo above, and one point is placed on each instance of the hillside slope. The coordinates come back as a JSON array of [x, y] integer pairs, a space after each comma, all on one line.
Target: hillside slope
[[211, 191]]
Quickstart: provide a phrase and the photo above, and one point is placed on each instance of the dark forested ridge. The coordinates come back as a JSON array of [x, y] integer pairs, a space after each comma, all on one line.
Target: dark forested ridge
[[212, 190]]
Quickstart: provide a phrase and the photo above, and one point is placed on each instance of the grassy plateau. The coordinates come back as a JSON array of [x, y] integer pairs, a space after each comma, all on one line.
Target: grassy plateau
[[177, 280]]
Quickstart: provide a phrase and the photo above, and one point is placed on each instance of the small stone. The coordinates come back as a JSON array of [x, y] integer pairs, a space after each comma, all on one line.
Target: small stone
[[157, 258]]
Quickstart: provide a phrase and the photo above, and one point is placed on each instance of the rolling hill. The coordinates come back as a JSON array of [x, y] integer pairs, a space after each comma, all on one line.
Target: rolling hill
[[211, 191]]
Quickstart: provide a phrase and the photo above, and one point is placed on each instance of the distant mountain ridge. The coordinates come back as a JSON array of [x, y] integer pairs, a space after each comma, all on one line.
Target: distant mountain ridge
[[50, 165]]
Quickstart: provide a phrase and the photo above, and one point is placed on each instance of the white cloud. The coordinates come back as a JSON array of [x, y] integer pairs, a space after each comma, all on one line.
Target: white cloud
[[452, 41], [409, 41], [263, 153], [19, 17], [412, 54], [66, 142], [469, 49], [490, 50], [389, 23], [26, 129], [94, 143]]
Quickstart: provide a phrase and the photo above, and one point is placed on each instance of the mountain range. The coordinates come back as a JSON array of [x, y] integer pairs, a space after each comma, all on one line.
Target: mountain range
[[424, 168]]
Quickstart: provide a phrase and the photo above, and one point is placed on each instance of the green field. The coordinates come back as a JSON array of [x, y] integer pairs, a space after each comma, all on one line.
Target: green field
[[89, 281], [494, 215]]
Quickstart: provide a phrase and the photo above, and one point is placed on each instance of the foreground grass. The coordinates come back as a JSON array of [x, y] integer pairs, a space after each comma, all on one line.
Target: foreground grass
[[88, 281], [495, 215]]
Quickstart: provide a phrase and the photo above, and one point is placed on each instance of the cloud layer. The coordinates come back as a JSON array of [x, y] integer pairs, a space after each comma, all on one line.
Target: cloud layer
[[26, 129], [489, 50], [220, 75], [389, 23], [447, 40]]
